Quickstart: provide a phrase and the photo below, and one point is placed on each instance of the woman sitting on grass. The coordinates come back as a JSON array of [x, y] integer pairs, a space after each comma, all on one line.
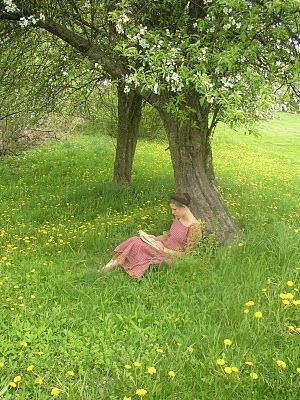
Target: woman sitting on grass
[[135, 255]]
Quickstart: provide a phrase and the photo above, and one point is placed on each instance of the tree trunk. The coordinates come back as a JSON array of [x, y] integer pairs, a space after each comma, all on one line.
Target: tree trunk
[[129, 117], [193, 172]]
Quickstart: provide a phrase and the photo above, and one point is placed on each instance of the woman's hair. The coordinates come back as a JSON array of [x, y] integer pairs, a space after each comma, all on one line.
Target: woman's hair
[[181, 199]]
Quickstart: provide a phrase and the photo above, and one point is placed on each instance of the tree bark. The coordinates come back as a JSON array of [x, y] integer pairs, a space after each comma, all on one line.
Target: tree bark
[[191, 155], [129, 117]]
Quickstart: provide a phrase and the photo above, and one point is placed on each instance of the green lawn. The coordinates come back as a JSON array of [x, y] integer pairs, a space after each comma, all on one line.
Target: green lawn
[[66, 325]]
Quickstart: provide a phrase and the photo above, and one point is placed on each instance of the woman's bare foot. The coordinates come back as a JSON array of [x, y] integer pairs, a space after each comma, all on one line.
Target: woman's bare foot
[[110, 265]]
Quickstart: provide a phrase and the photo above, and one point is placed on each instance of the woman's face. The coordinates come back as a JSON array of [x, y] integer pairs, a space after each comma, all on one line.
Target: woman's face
[[177, 211]]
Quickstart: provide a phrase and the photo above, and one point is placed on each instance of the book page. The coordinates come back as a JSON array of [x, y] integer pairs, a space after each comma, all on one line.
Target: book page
[[147, 239]]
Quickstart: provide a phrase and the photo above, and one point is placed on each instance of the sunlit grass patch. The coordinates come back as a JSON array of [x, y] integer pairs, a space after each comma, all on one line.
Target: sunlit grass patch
[[222, 323]]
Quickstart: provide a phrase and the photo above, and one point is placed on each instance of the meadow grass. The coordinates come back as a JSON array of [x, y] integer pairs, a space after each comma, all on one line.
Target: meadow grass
[[67, 326]]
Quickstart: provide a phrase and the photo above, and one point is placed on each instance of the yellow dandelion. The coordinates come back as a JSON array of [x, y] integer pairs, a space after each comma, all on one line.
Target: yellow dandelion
[[38, 381], [1, 364], [227, 342], [127, 366], [258, 314], [70, 373], [264, 290], [298, 370], [253, 375], [296, 302], [172, 374], [137, 364], [281, 364], [159, 350], [55, 392], [286, 302], [151, 370], [179, 344], [291, 328], [30, 368], [249, 303], [12, 384], [249, 363], [24, 344], [17, 379], [126, 398], [246, 311], [228, 370], [290, 283], [141, 392], [190, 349], [220, 361], [286, 296], [234, 369]]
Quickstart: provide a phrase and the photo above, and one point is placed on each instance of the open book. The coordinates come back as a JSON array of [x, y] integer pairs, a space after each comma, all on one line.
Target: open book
[[148, 239]]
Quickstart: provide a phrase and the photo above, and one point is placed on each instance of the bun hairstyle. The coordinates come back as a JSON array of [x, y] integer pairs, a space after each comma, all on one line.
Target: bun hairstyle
[[181, 199]]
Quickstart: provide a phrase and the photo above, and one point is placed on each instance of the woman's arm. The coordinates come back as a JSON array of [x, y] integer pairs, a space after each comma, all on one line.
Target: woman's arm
[[161, 237], [166, 250], [194, 235]]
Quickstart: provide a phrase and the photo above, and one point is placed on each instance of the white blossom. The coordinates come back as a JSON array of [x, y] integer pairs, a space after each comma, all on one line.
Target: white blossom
[[142, 30], [279, 64], [119, 28], [24, 22], [106, 82], [227, 82], [10, 6], [143, 43], [124, 18], [126, 89], [155, 88]]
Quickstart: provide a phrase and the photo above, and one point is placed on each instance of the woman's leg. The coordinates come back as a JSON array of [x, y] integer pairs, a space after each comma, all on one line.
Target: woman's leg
[[110, 265]]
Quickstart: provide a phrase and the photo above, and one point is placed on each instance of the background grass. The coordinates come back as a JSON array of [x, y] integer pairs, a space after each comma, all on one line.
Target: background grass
[[60, 219]]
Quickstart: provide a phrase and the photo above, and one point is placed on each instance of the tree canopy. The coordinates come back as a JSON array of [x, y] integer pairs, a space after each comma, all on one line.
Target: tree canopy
[[232, 54]]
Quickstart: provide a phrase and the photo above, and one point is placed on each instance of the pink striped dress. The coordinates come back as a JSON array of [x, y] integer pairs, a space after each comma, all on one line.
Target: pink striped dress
[[135, 256]]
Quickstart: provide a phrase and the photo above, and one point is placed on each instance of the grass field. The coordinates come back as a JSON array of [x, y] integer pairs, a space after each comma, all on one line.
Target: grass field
[[72, 332]]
